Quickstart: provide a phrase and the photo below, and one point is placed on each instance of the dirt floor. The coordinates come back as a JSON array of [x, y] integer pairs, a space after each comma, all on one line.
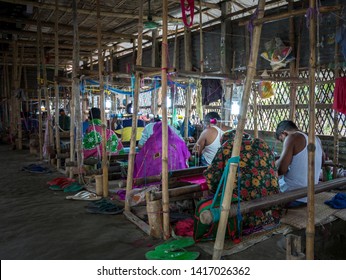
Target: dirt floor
[[41, 224]]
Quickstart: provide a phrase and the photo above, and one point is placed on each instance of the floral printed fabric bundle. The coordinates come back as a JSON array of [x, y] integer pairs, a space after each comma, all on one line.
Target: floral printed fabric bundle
[[92, 141], [258, 177]]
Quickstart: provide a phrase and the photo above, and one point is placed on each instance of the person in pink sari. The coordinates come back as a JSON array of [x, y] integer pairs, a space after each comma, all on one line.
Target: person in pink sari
[[148, 161], [92, 140]]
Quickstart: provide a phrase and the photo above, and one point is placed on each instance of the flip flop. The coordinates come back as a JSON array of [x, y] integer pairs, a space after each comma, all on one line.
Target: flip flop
[[60, 181], [55, 188], [74, 187], [84, 195], [174, 255], [176, 244], [112, 210]]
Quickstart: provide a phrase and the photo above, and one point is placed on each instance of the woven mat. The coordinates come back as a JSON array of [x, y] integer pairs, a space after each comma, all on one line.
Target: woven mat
[[323, 213], [247, 241]]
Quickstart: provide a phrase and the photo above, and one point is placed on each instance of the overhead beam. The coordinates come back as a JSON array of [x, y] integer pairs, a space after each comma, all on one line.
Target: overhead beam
[[294, 13], [84, 31], [120, 13], [203, 4]]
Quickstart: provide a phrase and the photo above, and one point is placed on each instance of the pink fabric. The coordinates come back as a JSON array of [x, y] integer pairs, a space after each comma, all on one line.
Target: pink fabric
[[184, 227], [198, 179], [149, 160], [339, 103]]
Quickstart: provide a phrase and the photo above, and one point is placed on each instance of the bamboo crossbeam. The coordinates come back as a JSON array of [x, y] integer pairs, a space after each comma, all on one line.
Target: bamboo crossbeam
[[137, 221], [119, 13], [276, 199], [176, 191], [151, 71], [84, 31], [293, 13]]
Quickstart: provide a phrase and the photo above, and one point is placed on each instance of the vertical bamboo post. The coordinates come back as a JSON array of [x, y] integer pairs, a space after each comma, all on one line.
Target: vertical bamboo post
[[188, 66], [310, 228], [154, 216], [38, 57], [26, 89], [15, 101], [293, 72], [46, 98], [20, 101], [255, 114], [251, 70], [165, 195], [132, 154], [56, 85], [154, 59], [336, 114], [102, 104], [201, 44], [176, 49], [76, 93]]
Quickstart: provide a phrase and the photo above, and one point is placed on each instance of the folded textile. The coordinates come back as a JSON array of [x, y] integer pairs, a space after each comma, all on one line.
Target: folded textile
[[338, 201]]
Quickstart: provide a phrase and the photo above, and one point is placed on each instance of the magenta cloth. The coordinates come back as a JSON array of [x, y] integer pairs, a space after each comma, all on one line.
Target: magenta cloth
[[198, 179], [149, 160], [339, 103]]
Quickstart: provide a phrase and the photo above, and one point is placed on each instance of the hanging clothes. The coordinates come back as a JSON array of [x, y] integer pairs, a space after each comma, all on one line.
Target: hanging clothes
[[211, 90], [339, 103]]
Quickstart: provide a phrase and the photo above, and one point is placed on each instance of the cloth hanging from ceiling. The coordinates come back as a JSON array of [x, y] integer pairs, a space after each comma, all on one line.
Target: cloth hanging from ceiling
[[339, 103], [211, 90]]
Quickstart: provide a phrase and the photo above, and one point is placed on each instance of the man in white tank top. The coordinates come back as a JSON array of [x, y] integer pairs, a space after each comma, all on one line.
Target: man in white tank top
[[209, 141], [293, 162]]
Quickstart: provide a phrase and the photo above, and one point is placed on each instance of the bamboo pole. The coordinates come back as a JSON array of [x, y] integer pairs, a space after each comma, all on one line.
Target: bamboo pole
[[132, 154], [201, 44], [20, 101], [255, 114], [293, 72], [310, 228], [275, 199], [336, 114], [15, 101], [188, 66], [38, 57], [165, 195], [47, 101], [102, 105], [56, 85], [76, 93], [251, 69]]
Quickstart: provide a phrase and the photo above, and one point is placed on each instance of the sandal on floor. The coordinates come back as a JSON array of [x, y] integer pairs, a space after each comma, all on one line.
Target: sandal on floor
[[84, 195], [55, 188], [171, 255], [104, 208], [74, 187], [176, 244]]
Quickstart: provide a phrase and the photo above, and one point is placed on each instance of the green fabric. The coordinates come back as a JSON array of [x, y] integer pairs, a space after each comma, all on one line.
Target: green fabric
[[171, 255], [203, 232]]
